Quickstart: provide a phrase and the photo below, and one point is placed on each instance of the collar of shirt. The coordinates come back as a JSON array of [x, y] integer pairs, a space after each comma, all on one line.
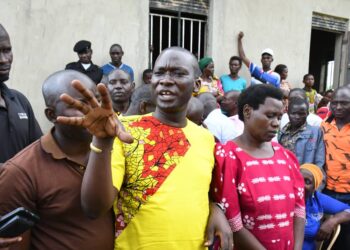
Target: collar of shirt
[[86, 65], [50, 146], [5, 91]]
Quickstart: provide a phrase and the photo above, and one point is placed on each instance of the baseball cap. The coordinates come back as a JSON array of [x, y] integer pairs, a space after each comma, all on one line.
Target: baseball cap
[[267, 51]]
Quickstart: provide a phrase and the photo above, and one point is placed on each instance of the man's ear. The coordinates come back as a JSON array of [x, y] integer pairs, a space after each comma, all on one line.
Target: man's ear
[[50, 114], [132, 86], [247, 111], [197, 86], [143, 107]]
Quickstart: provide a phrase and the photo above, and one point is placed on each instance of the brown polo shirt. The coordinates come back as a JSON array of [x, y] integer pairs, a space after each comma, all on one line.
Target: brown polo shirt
[[44, 180]]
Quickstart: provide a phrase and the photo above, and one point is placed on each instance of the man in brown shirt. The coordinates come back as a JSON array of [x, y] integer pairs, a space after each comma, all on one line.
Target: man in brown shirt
[[46, 178]]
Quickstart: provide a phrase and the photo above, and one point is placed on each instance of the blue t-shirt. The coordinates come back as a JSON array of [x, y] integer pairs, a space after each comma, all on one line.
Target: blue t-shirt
[[229, 84], [107, 68], [316, 206]]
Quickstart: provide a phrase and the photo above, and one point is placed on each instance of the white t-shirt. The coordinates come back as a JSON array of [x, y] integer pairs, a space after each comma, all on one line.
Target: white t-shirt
[[220, 126]]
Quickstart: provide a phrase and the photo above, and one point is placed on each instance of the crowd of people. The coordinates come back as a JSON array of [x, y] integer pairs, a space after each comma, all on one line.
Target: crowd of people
[[186, 160]]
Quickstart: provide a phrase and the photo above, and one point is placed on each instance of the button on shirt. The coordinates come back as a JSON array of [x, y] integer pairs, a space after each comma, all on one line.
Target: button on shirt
[[18, 126]]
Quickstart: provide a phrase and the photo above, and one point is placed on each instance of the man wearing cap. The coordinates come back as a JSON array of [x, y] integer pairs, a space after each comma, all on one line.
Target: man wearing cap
[[85, 65], [260, 75], [18, 126]]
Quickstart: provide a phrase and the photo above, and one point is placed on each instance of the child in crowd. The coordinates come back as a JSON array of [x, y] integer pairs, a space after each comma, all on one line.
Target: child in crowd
[[311, 93], [282, 70]]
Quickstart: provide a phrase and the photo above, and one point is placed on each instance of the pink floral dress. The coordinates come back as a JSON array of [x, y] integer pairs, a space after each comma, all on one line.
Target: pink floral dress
[[261, 194]]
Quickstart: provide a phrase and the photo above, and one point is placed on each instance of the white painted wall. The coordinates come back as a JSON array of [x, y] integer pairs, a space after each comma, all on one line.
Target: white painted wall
[[44, 32], [284, 26]]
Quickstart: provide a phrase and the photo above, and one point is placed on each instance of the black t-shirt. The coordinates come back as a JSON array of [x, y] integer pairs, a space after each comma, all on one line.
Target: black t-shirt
[[18, 126], [94, 72]]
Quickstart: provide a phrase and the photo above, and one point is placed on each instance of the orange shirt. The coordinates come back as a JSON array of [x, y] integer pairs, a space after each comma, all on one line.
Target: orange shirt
[[337, 144]]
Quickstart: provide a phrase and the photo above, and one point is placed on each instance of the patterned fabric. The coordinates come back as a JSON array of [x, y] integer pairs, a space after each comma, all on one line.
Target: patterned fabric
[[289, 138], [158, 177], [262, 195], [313, 100], [214, 86], [259, 76], [337, 144]]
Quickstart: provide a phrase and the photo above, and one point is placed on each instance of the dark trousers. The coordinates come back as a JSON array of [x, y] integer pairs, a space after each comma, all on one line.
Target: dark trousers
[[343, 240]]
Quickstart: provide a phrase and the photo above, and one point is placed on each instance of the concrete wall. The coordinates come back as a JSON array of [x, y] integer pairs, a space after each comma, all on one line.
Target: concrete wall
[[44, 32], [284, 26]]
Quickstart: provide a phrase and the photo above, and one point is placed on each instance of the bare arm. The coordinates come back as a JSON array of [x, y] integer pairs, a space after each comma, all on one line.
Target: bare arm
[[97, 192], [245, 240], [218, 226], [299, 225], [328, 226], [241, 53]]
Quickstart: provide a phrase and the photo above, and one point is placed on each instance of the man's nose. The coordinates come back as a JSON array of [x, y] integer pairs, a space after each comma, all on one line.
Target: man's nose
[[167, 79]]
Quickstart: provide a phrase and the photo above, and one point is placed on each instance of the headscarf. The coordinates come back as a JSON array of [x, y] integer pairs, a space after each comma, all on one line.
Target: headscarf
[[204, 62], [315, 171]]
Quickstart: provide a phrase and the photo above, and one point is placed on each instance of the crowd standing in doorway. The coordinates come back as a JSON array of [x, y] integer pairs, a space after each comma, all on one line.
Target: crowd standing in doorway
[[187, 160]]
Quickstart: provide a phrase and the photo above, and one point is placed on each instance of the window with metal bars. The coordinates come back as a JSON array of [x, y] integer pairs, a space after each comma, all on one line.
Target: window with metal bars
[[171, 28]]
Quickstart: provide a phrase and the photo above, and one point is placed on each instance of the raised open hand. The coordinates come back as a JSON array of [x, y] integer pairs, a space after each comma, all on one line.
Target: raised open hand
[[99, 120]]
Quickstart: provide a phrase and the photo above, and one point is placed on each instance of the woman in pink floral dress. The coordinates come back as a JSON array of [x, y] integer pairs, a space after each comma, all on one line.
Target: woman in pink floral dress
[[257, 182]]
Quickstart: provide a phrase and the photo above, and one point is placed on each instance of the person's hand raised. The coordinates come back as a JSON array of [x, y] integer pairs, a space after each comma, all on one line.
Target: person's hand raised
[[100, 120], [240, 35]]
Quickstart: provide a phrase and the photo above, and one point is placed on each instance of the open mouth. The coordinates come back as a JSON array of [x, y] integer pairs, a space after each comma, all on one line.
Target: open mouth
[[166, 95]]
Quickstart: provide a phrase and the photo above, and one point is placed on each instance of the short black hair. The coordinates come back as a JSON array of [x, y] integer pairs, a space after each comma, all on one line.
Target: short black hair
[[142, 93], [306, 75], [329, 91], [146, 71], [280, 68], [298, 101], [116, 45], [301, 91], [236, 58], [256, 95]]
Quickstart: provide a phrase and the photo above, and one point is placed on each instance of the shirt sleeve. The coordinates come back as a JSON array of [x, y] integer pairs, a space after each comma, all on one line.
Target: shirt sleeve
[[118, 164], [17, 189], [331, 205], [298, 185], [320, 156], [269, 78], [224, 189]]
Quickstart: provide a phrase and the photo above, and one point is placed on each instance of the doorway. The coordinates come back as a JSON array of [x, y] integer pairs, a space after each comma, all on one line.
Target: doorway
[[322, 56]]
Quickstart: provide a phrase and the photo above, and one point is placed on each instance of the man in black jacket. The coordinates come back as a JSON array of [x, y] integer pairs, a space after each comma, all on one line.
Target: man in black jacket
[[18, 126], [85, 65]]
